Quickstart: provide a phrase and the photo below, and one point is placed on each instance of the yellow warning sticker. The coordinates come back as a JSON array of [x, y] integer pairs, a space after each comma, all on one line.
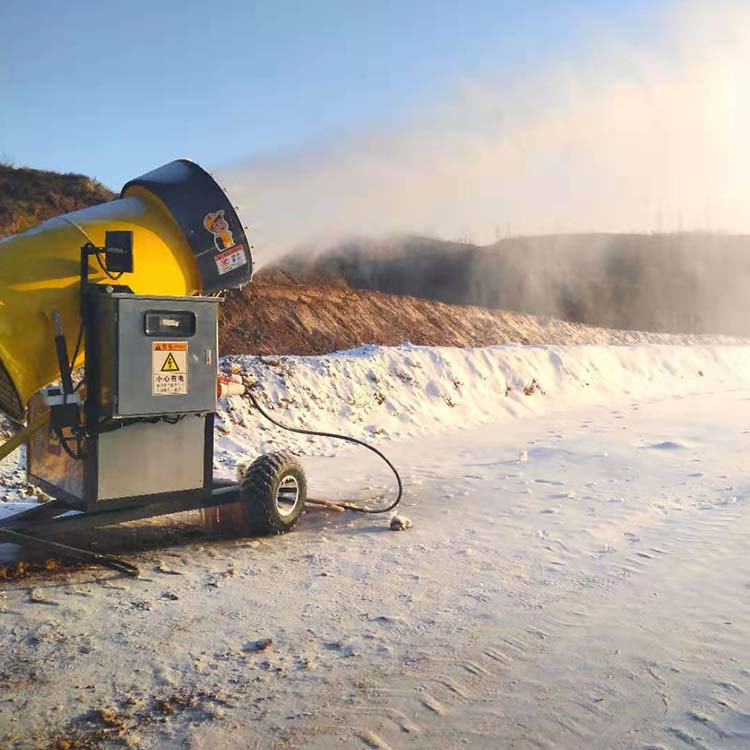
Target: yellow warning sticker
[[170, 364], [169, 371]]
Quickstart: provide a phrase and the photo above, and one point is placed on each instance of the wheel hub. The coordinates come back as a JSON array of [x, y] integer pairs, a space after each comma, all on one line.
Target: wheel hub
[[287, 495]]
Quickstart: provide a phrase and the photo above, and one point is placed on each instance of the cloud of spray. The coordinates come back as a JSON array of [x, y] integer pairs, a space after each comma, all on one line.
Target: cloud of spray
[[629, 139]]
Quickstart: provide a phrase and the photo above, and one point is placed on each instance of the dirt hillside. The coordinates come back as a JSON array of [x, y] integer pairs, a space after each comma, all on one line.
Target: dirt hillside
[[280, 318], [30, 196]]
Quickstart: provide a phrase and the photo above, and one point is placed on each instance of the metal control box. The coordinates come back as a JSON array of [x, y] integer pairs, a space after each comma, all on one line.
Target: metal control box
[[155, 356], [124, 466]]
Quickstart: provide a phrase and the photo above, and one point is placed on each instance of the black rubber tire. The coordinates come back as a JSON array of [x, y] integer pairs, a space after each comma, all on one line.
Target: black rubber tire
[[258, 488]]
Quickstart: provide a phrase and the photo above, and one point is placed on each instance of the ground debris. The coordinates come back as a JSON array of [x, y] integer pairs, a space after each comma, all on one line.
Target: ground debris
[[114, 727], [400, 523], [36, 596], [37, 568], [109, 717], [371, 740], [532, 388], [163, 567], [262, 644], [215, 579]]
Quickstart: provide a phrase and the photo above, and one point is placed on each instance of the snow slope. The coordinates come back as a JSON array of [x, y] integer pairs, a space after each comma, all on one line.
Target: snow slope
[[395, 393], [408, 391]]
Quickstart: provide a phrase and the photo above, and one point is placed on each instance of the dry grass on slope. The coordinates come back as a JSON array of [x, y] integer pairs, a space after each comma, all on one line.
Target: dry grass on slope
[[29, 196], [278, 318]]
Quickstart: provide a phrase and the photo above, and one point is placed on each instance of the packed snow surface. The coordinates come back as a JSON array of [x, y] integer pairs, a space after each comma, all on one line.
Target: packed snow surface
[[575, 576]]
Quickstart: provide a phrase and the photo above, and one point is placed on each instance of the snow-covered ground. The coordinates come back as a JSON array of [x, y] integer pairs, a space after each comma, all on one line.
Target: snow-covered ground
[[410, 391], [576, 576]]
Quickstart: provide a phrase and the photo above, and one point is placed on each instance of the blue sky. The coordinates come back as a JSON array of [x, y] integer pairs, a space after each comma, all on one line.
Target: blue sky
[[113, 89]]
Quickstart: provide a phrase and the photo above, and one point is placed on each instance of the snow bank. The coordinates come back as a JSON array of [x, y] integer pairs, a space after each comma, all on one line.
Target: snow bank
[[393, 393], [406, 391]]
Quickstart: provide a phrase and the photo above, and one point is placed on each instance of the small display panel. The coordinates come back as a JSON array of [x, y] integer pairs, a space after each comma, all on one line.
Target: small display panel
[[178, 324]]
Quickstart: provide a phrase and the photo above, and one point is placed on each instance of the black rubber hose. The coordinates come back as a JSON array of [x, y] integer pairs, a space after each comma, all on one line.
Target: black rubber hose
[[346, 439]]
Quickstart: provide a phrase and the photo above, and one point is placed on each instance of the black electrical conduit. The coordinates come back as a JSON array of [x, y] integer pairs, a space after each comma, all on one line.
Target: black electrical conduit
[[68, 550], [346, 439]]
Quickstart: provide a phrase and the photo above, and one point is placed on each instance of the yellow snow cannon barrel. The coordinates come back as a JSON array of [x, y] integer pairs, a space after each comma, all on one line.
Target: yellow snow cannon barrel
[[187, 239]]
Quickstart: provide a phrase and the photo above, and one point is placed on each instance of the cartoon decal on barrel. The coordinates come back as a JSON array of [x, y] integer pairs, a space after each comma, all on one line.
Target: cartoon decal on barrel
[[219, 228], [230, 256]]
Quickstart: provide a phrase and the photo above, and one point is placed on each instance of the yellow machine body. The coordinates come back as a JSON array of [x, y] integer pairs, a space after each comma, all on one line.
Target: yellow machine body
[[40, 268]]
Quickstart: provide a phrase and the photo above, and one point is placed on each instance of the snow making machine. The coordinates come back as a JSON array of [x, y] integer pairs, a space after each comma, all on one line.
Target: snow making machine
[[126, 294]]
